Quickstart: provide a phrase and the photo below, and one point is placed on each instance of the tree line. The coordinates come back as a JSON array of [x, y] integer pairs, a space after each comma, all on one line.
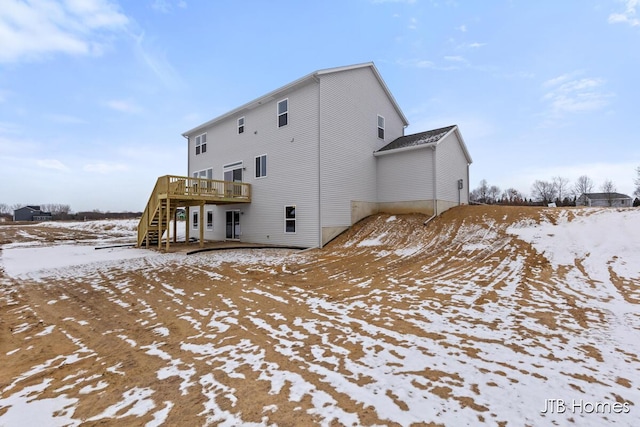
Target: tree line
[[558, 190], [61, 211]]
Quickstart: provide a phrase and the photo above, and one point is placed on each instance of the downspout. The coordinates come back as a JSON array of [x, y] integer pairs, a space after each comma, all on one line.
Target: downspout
[[435, 187], [319, 171], [187, 209]]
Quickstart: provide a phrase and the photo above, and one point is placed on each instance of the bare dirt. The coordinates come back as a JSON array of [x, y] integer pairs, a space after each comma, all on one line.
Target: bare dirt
[[393, 323]]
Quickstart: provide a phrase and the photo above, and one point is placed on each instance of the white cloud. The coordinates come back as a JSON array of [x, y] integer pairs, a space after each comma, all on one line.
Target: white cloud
[[413, 24], [629, 16], [455, 58], [52, 164], [156, 60], [34, 29], [462, 28], [393, 1], [105, 168], [123, 106], [567, 94], [476, 45], [64, 119]]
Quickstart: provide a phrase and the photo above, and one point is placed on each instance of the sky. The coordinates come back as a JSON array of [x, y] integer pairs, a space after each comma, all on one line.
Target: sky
[[95, 94]]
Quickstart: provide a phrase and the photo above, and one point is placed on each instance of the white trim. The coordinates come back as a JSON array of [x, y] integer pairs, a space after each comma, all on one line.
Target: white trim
[[308, 79], [278, 113], [255, 171], [200, 145], [208, 211], [384, 131], [294, 219]]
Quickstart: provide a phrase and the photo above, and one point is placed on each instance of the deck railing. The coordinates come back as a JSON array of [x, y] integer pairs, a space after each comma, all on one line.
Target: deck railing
[[187, 191], [200, 187]]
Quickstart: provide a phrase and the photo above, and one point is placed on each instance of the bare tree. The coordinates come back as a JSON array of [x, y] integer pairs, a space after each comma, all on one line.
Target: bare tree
[[562, 185], [637, 183], [609, 189], [4, 208], [480, 193], [493, 194], [543, 191], [583, 185], [512, 196]]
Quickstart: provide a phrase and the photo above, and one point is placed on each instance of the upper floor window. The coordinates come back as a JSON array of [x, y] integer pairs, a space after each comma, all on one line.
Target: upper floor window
[[201, 143], [261, 166], [283, 112], [380, 127], [241, 125]]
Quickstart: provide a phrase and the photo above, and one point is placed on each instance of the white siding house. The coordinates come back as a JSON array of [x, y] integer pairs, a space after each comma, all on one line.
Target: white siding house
[[320, 154]]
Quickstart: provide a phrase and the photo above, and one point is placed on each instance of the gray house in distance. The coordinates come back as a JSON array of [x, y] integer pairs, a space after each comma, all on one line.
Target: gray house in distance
[[321, 153], [605, 199], [31, 213]]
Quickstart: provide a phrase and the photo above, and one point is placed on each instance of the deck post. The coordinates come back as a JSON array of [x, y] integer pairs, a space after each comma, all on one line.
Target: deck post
[[186, 224], [175, 226], [168, 222], [200, 220], [160, 225]]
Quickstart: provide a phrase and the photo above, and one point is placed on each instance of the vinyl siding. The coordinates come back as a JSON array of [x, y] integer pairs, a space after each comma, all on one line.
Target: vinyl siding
[[350, 102], [292, 169], [451, 166], [405, 176]]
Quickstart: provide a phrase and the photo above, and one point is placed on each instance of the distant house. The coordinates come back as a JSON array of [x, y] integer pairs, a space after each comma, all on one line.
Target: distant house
[[605, 199], [31, 213], [301, 164]]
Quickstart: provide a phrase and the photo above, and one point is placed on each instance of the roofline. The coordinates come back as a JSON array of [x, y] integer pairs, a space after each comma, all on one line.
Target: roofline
[[430, 144], [402, 149], [309, 78]]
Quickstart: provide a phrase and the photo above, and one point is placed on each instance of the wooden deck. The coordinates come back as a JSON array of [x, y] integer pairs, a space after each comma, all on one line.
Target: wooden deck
[[172, 192]]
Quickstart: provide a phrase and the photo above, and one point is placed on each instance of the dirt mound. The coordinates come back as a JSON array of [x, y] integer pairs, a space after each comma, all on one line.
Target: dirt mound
[[474, 318]]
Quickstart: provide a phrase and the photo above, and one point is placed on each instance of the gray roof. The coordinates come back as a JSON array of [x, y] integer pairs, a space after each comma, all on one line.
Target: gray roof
[[606, 196], [428, 137]]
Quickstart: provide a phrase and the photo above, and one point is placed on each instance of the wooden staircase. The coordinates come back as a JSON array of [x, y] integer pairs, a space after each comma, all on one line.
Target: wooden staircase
[[172, 192]]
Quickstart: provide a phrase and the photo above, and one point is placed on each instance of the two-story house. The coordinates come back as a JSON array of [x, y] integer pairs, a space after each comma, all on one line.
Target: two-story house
[[318, 155]]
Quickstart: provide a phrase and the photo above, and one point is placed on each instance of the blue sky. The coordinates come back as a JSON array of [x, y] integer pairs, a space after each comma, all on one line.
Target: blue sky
[[95, 94]]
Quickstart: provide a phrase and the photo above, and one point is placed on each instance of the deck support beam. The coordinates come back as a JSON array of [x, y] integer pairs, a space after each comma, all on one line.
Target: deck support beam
[[168, 227]]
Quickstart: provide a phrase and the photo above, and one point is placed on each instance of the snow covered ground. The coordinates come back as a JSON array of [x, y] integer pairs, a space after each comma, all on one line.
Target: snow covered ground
[[487, 316]]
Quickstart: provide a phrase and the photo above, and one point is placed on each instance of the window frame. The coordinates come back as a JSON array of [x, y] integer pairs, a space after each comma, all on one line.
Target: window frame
[[289, 219], [209, 225], [201, 146], [240, 122], [195, 220], [284, 114], [260, 169], [381, 128]]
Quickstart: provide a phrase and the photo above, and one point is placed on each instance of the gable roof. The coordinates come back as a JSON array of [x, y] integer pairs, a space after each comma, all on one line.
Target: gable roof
[[299, 83], [430, 138], [606, 196]]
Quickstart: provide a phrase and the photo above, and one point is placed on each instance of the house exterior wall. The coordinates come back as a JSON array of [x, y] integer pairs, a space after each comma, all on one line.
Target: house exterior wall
[[292, 169], [405, 176], [23, 214], [451, 166], [350, 102]]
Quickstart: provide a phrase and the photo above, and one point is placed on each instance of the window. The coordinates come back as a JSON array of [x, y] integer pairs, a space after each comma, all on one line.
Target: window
[[209, 220], [201, 143], [195, 220], [283, 112], [241, 125], [204, 174], [380, 127], [290, 219], [261, 166]]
